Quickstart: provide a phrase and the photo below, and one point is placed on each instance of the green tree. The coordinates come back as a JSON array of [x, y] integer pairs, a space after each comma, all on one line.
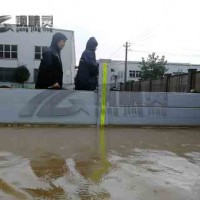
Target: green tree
[[153, 67], [22, 74]]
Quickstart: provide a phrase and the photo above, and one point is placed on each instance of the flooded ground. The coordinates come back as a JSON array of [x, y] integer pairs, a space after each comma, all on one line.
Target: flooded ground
[[86, 163]]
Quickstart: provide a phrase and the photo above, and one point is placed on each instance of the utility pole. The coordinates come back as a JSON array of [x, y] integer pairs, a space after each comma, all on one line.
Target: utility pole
[[127, 45]]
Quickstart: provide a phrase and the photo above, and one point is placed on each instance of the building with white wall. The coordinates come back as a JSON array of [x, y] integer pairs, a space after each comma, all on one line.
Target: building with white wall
[[133, 70], [24, 46]]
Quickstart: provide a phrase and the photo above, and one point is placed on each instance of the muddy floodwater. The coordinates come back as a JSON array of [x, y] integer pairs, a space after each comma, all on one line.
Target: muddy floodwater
[[88, 163]]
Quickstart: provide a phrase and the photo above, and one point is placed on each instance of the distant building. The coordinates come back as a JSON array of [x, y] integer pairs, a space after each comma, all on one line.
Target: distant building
[[133, 71]]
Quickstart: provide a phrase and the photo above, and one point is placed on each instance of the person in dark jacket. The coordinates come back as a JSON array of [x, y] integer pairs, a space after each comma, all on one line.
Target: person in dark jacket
[[50, 73], [88, 69]]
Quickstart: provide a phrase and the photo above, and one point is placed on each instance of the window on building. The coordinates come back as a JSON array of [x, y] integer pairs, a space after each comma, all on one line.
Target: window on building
[[38, 52], [134, 74], [7, 74], [8, 51], [138, 74], [131, 74]]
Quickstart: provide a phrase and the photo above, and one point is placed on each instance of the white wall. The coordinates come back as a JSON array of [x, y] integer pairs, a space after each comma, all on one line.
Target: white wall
[[26, 50], [85, 107]]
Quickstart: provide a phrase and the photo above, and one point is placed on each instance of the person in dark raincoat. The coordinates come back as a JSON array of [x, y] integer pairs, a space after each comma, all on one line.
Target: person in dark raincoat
[[50, 73], [86, 78]]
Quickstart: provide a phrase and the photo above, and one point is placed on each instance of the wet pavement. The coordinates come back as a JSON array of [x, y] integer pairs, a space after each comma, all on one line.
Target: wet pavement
[[87, 163]]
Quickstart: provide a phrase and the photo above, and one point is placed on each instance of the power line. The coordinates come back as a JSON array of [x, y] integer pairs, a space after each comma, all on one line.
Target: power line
[[116, 51], [169, 53], [145, 34]]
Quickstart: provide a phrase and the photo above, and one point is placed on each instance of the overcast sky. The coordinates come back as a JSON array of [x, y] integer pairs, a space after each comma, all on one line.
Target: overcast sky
[[167, 27]]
